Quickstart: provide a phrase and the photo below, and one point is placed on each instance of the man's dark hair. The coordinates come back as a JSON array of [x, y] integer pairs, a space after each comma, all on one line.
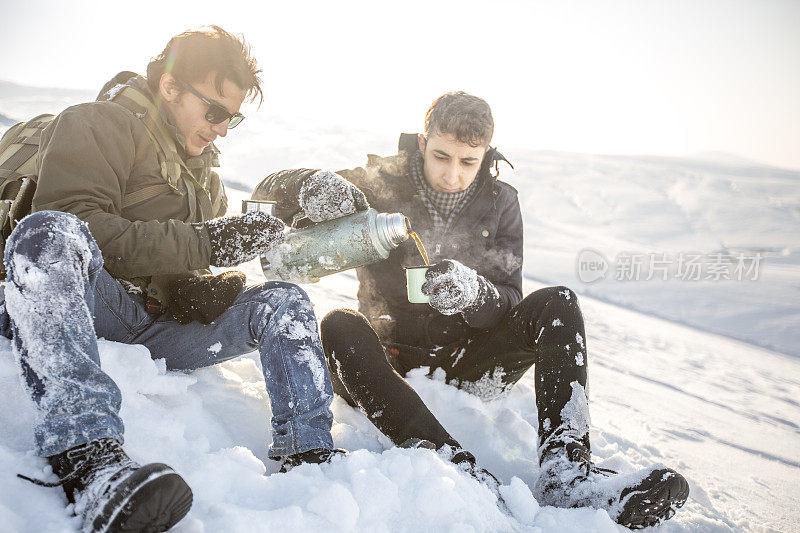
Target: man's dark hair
[[193, 55], [465, 117]]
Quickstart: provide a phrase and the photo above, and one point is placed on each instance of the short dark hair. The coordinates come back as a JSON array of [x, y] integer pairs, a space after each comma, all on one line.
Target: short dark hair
[[193, 55], [465, 117]]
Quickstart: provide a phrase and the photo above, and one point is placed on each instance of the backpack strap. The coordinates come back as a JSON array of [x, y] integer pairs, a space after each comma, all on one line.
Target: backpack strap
[[137, 103], [168, 159], [10, 166], [19, 147], [173, 167], [23, 201], [144, 194]]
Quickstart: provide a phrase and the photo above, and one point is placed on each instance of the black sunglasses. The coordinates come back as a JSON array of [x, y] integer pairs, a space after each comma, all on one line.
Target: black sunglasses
[[216, 113]]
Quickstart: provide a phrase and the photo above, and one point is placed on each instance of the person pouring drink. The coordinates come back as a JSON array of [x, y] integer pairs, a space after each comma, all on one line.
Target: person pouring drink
[[476, 327]]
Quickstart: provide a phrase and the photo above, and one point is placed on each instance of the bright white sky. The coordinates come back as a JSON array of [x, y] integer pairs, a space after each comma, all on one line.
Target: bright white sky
[[626, 76]]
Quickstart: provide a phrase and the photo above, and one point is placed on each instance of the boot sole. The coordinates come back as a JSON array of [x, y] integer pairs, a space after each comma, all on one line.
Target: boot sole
[[657, 504], [154, 499]]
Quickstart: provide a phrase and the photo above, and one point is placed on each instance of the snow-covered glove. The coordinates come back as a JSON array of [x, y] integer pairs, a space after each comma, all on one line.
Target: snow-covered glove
[[204, 298], [454, 287], [237, 239], [326, 195]]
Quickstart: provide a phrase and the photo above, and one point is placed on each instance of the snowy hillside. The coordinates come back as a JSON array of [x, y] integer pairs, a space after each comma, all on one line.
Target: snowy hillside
[[724, 413], [645, 207]]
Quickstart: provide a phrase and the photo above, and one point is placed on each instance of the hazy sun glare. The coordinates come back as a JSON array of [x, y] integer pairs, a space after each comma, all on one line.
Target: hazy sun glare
[[671, 78]]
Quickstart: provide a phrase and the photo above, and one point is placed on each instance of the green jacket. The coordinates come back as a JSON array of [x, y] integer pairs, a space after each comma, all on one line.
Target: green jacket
[[95, 156]]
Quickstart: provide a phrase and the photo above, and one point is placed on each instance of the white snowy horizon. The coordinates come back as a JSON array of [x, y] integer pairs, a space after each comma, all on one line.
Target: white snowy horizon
[[703, 376], [14, 89]]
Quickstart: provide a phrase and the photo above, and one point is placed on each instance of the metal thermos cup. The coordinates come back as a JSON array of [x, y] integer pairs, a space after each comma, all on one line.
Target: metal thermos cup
[[336, 245]]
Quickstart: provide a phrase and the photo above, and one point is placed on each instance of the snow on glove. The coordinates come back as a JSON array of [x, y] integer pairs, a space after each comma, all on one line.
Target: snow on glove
[[204, 298], [237, 239], [454, 287], [326, 195]]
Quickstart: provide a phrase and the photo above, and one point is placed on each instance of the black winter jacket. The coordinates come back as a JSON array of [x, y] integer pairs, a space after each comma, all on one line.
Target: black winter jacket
[[486, 236]]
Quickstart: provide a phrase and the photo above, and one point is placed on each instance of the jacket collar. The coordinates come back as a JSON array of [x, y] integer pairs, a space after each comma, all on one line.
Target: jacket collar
[[407, 146], [128, 78], [481, 201]]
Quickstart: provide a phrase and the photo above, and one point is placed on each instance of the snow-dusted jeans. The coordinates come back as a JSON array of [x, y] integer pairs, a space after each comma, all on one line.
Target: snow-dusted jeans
[[59, 299]]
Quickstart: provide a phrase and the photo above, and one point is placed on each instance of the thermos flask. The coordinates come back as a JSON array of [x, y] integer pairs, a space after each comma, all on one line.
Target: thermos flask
[[315, 251]]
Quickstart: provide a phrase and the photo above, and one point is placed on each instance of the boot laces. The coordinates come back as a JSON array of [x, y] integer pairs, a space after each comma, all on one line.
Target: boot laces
[[579, 455], [83, 458]]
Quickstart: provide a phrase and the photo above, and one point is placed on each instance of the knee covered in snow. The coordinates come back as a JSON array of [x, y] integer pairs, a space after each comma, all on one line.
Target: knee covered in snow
[[48, 219], [288, 291], [565, 293], [557, 295], [296, 294], [561, 292], [294, 302], [52, 233]]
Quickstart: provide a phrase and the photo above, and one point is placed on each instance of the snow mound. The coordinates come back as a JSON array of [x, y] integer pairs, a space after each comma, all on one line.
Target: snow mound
[[212, 427], [192, 422]]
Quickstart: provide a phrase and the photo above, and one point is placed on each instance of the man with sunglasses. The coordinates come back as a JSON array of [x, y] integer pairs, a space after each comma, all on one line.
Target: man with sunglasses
[[216, 113], [125, 226]]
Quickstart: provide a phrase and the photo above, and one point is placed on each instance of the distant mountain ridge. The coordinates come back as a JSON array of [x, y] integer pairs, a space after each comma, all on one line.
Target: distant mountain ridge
[[22, 102], [11, 89], [6, 121], [700, 161]]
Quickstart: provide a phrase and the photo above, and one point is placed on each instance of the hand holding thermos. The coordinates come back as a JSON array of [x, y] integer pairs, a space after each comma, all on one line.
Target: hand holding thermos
[[237, 239], [326, 195]]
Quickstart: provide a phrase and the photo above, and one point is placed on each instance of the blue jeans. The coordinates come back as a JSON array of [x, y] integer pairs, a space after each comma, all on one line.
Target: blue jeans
[[58, 299]]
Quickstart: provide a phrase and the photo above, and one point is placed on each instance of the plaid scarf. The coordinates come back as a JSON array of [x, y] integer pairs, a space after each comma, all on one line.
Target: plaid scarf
[[442, 206]]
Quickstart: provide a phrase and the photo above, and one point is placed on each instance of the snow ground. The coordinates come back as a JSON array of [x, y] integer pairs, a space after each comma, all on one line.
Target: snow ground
[[725, 413], [722, 412]]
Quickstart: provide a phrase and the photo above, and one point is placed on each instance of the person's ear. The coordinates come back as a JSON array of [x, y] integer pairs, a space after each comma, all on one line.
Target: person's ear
[[422, 142], [169, 88]]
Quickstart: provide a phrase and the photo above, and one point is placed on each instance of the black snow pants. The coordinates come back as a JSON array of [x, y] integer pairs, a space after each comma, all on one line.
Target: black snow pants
[[545, 330]]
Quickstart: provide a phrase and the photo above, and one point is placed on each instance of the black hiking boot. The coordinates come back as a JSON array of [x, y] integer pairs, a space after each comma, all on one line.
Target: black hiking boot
[[653, 500], [113, 493], [316, 456], [461, 458], [466, 461], [568, 478]]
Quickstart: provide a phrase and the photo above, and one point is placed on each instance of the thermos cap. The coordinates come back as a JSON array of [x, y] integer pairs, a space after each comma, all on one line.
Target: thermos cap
[[393, 227]]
